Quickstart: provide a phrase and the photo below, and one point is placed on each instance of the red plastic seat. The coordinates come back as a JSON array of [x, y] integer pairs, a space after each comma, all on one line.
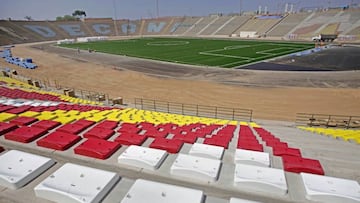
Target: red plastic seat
[[84, 123], [51, 108], [100, 133], [37, 108], [25, 134], [23, 120], [155, 133], [58, 141], [97, 148], [129, 128], [130, 139], [46, 124], [171, 146], [281, 151], [297, 164], [108, 125], [276, 144], [18, 110], [251, 146], [220, 141], [5, 108], [71, 128], [7, 127], [190, 138]]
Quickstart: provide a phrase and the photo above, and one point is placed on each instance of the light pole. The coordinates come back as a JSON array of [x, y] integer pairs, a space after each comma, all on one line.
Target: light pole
[[157, 8], [115, 16], [240, 7]]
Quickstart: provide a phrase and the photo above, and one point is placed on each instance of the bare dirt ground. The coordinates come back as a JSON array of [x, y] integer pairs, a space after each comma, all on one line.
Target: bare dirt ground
[[273, 95]]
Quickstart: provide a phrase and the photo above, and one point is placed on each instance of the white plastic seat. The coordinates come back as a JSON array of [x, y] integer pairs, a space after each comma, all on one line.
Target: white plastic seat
[[252, 157], [18, 168], [18, 104], [10, 102], [206, 151], [28, 103], [142, 157], [144, 191], [75, 183], [194, 167], [236, 200], [260, 179], [330, 189], [46, 103], [36, 104]]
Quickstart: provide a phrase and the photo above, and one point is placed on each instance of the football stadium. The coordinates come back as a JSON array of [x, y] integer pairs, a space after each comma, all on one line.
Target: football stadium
[[251, 106]]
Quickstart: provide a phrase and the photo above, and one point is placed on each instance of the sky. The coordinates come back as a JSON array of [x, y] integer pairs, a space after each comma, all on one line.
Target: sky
[[137, 9]]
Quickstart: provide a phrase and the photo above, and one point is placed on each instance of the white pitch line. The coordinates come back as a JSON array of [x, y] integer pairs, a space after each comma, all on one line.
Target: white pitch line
[[290, 47], [237, 62], [267, 50], [223, 55]]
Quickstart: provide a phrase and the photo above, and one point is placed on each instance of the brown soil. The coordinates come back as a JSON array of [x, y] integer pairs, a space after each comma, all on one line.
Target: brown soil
[[272, 95]]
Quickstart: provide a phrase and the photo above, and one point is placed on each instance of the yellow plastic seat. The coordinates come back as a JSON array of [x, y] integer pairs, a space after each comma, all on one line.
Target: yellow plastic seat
[[7, 116], [95, 118], [46, 117], [65, 120], [32, 114]]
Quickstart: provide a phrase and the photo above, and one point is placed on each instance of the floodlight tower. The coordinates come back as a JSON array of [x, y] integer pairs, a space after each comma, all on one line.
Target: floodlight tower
[[157, 8], [240, 4], [115, 16]]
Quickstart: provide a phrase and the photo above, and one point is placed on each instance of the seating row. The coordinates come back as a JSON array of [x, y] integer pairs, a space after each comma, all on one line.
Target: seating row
[[28, 92], [21, 94], [350, 135], [126, 115], [11, 82], [66, 135], [77, 183]]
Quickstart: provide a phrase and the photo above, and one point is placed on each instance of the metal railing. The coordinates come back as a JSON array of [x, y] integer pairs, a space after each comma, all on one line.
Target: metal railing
[[194, 109], [325, 120]]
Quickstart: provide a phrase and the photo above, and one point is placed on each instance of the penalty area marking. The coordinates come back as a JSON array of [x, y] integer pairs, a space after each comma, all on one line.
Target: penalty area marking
[[265, 53], [167, 43]]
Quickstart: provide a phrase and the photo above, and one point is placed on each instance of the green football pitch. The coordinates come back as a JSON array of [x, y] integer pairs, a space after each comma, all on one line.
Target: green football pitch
[[203, 52]]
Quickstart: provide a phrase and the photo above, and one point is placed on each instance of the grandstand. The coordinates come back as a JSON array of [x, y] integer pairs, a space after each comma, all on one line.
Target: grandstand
[[296, 25], [287, 24], [194, 151], [215, 25], [260, 25], [58, 145]]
